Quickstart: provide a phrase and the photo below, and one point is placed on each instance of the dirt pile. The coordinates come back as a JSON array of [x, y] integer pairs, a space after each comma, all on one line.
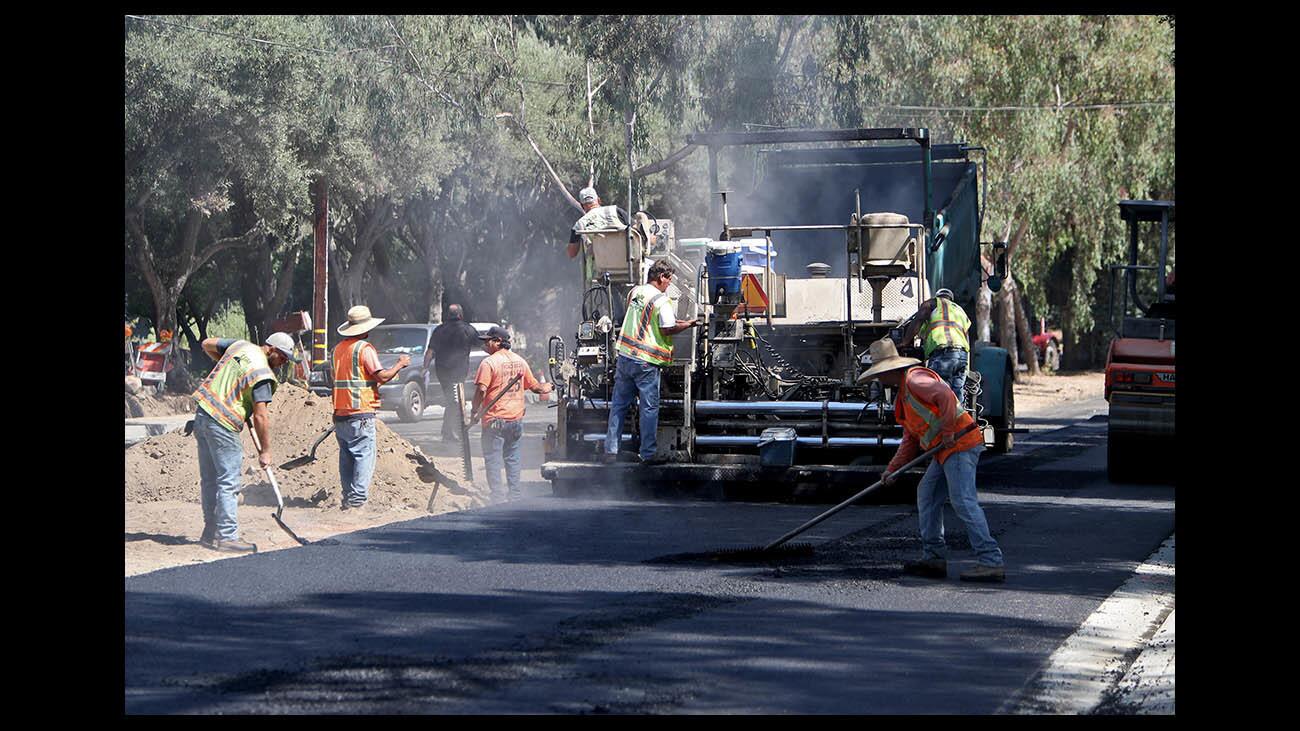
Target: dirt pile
[[146, 403], [166, 467]]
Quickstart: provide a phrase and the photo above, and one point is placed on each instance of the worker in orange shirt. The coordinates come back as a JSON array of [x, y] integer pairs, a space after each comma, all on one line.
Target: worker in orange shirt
[[927, 409], [503, 424]]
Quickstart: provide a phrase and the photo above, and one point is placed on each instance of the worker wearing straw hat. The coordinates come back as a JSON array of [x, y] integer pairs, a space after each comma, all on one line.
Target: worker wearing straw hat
[[928, 411], [357, 378]]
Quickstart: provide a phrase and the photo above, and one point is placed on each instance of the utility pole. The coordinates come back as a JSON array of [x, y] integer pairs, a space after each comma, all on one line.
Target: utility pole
[[320, 277]]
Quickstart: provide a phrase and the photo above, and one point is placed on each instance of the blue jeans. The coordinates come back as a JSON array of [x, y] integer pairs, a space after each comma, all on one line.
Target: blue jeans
[[954, 480], [633, 377], [221, 457], [951, 366], [500, 442], [356, 438]]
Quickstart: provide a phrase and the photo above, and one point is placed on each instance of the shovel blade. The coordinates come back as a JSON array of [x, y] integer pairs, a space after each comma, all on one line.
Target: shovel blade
[[289, 530], [298, 462]]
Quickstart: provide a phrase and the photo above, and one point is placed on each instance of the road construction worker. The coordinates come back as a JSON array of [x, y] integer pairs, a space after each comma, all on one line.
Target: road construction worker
[[930, 416], [448, 352], [357, 378], [236, 391], [644, 345], [943, 327], [596, 217], [503, 424]]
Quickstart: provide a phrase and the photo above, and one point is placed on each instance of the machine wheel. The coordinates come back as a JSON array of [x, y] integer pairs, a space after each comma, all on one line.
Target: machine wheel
[[1004, 440], [1052, 357], [1121, 459], [412, 404]]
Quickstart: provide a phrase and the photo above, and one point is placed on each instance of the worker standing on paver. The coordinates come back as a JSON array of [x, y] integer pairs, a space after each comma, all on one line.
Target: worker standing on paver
[[503, 424], [930, 416], [357, 378], [944, 339], [644, 346], [236, 391], [448, 352], [596, 217]]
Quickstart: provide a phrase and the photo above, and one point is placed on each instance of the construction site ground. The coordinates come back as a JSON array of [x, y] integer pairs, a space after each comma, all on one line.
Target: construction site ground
[[163, 520]]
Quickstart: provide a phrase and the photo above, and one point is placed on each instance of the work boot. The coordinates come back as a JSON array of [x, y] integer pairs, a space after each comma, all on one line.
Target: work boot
[[235, 546], [657, 459], [930, 568], [608, 458], [208, 537], [984, 573]]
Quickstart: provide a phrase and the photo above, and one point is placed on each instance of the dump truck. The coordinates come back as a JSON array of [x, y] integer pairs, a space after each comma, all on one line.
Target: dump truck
[[1140, 372], [837, 246]]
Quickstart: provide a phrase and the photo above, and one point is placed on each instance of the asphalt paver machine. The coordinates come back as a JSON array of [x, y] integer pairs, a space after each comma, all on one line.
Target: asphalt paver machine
[[763, 400]]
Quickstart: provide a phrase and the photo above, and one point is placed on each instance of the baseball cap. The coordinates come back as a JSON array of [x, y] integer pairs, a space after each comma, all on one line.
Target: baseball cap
[[587, 195], [283, 343], [496, 332]]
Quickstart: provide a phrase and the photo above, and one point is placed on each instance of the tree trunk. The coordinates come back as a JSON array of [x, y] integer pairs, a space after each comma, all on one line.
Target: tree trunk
[[983, 313], [1007, 327], [1027, 349]]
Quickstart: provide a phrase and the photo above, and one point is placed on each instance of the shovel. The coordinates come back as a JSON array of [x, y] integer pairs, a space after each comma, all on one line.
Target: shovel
[[279, 500], [307, 458], [927, 454]]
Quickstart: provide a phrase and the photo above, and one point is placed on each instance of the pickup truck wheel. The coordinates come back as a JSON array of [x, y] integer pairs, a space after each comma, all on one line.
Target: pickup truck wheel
[[411, 406], [1052, 357]]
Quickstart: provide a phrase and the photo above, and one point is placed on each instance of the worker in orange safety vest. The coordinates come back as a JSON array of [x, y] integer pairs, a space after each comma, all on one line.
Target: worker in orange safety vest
[[357, 378], [927, 410]]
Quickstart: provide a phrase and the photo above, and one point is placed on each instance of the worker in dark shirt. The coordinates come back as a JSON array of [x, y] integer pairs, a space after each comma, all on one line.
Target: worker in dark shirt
[[448, 351]]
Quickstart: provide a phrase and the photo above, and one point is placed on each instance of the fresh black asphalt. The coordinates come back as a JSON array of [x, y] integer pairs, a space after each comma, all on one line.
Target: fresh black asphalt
[[557, 605]]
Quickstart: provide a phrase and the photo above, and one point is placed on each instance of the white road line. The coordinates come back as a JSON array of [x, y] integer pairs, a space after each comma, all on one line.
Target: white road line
[[1099, 654]]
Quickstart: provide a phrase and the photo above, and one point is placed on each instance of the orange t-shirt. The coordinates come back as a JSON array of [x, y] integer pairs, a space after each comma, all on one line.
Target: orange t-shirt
[[494, 372]]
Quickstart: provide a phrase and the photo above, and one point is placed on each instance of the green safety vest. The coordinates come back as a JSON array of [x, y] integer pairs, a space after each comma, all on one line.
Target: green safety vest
[[227, 393], [946, 327], [597, 219], [640, 336]]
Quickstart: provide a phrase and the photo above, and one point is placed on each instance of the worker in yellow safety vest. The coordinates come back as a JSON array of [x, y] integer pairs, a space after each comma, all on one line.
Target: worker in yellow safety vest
[[644, 345], [357, 378], [931, 417], [943, 327], [236, 391]]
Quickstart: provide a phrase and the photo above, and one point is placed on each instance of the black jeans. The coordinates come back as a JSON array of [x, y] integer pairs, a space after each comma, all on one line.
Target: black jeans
[[451, 417]]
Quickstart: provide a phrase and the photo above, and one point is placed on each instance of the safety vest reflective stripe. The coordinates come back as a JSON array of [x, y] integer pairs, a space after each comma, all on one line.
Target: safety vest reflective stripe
[[922, 420], [946, 327], [646, 348], [640, 336], [602, 217], [353, 392], [647, 315], [227, 391], [931, 419]]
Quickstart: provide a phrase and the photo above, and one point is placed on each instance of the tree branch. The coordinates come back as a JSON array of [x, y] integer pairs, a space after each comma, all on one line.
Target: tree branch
[[667, 162]]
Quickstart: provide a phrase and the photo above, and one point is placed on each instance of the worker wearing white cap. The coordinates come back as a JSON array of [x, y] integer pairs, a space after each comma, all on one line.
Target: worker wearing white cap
[[596, 217], [357, 378], [943, 326], [236, 391]]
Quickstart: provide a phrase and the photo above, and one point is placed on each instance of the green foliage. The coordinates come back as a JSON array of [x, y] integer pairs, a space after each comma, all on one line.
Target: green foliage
[[424, 126]]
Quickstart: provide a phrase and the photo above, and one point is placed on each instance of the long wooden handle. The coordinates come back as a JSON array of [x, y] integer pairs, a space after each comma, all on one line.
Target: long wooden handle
[[928, 453]]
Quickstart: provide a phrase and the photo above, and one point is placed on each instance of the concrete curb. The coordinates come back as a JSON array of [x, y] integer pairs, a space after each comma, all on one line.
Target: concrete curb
[[1097, 670]]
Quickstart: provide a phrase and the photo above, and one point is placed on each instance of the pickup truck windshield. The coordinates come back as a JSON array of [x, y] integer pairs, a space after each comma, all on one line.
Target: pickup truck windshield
[[400, 340]]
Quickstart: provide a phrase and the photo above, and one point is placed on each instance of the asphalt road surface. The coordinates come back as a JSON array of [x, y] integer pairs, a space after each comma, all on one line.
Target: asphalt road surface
[[551, 605]]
